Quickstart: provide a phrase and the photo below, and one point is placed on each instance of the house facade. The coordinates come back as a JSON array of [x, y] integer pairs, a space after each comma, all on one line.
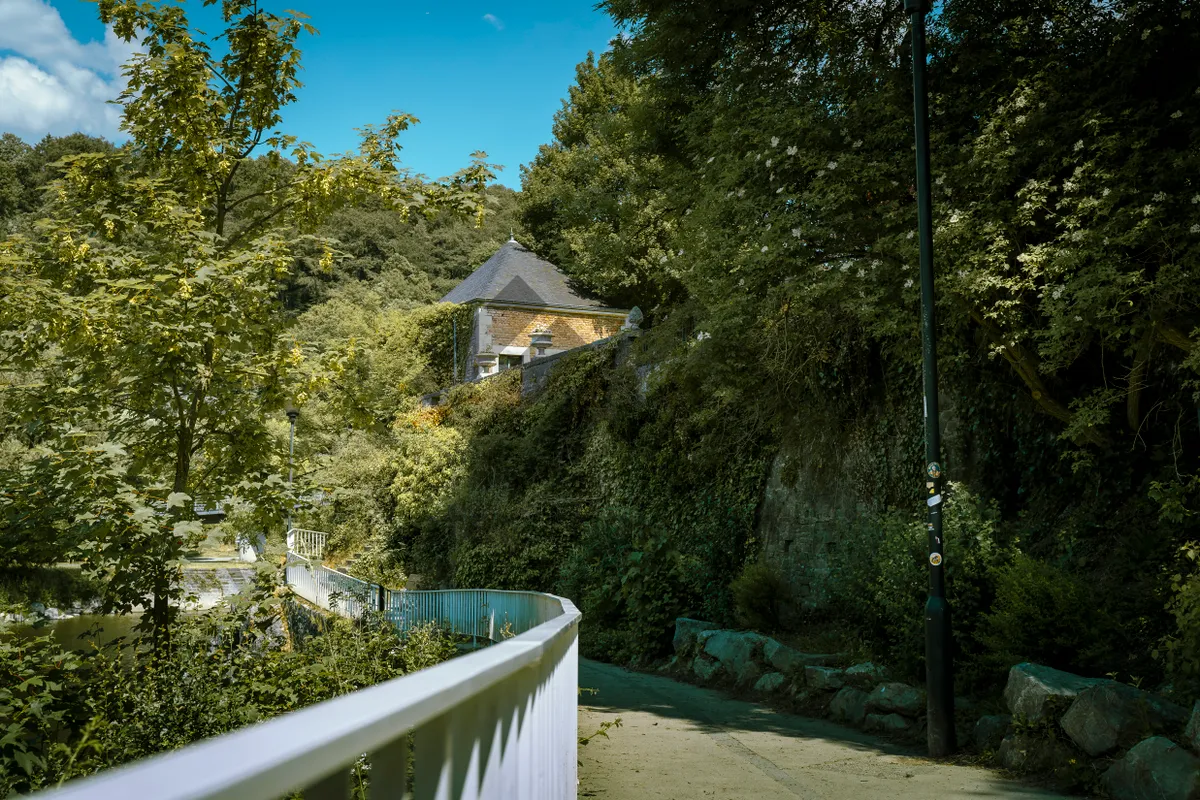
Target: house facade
[[525, 308]]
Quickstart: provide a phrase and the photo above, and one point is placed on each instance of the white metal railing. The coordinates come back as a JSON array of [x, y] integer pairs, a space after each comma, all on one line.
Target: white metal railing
[[497, 723], [330, 589], [306, 543]]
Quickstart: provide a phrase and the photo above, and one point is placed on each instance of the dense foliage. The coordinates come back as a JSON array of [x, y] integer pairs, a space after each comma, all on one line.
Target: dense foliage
[[142, 322], [71, 712], [757, 180]]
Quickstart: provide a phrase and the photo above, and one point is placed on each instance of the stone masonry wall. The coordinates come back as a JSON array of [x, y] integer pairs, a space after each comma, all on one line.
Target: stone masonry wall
[[512, 327]]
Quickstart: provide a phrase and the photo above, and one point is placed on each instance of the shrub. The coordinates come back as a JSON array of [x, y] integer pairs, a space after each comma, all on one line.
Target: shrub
[[1181, 649], [761, 596], [880, 580], [1041, 613]]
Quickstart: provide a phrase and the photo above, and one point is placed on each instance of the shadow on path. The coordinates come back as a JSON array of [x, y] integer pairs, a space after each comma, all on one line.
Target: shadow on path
[[682, 741]]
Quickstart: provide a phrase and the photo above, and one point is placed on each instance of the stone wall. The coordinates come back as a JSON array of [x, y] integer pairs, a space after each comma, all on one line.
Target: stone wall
[[831, 476], [804, 507], [513, 327]]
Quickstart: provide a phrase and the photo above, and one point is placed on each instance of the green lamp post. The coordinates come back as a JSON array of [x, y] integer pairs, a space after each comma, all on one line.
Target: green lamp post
[[939, 665]]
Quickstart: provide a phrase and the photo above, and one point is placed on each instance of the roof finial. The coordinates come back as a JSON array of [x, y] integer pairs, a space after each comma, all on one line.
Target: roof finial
[[511, 238]]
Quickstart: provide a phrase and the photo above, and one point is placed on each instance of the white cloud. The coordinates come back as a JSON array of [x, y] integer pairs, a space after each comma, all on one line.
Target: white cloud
[[494, 21], [52, 83]]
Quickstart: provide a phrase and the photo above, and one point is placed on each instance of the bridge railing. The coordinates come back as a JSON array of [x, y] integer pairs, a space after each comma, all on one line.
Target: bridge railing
[[496, 723], [306, 543]]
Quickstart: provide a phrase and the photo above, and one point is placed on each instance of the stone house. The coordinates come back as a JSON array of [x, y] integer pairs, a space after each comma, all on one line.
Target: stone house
[[524, 308]]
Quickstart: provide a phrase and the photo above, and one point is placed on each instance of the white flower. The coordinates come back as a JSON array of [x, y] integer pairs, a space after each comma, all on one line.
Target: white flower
[[1159, 197], [662, 260], [1106, 192], [780, 189], [768, 162], [1079, 145], [1147, 210], [1057, 293], [941, 179], [711, 159], [831, 165], [1020, 119], [862, 273], [908, 283], [1069, 186], [774, 141], [768, 226], [953, 218], [1196, 228], [962, 273], [741, 281], [680, 252], [797, 232], [1021, 102], [741, 192], [764, 248], [845, 267], [1177, 115], [792, 150], [857, 143], [820, 172], [1195, 199], [910, 235], [758, 156]]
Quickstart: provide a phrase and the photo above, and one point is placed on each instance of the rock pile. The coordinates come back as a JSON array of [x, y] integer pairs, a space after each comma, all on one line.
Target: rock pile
[[1058, 721], [859, 695], [1103, 719]]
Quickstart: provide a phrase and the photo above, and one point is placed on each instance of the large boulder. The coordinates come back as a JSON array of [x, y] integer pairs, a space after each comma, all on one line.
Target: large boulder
[[886, 723], [769, 683], [1022, 752], [686, 631], [788, 659], [823, 679], [898, 698], [734, 649], [1114, 715], [990, 731], [849, 705], [748, 673], [1191, 734], [865, 675], [1034, 691], [704, 668], [1156, 769]]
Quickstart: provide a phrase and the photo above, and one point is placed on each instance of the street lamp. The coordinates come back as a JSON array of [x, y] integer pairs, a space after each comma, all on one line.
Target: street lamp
[[939, 666], [292, 412]]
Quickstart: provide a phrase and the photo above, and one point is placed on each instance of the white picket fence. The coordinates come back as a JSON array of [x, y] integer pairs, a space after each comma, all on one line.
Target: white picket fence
[[498, 723]]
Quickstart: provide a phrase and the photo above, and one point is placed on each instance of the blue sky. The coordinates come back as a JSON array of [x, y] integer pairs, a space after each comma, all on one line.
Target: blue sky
[[480, 75]]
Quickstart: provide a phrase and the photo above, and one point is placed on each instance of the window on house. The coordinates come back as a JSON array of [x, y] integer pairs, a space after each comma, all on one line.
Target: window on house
[[508, 362]]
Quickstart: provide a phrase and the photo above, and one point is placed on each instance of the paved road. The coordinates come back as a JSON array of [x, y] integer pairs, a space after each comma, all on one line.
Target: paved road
[[678, 742]]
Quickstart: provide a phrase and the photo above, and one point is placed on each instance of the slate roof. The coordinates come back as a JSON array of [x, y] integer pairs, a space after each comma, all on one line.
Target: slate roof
[[515, 275]]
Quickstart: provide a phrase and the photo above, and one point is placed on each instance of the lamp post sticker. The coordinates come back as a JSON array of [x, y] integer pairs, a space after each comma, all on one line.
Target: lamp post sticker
[[935, 559], [935, 470]]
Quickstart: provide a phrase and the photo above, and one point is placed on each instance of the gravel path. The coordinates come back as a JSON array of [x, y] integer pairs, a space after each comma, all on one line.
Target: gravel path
[[678, 741]]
